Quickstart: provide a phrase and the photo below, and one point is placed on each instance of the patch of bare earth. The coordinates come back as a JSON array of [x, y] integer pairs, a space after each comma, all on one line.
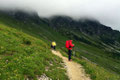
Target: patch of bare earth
[[74, 70]]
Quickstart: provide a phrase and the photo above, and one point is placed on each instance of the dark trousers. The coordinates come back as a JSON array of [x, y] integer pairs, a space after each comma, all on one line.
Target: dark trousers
[[69, 54], [54, 47]]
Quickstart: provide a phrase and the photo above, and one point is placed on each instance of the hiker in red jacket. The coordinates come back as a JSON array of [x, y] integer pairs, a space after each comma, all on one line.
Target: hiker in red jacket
[[69, 46]]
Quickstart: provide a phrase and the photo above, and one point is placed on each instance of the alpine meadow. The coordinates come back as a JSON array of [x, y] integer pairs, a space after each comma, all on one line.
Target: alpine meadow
[[25, 41]]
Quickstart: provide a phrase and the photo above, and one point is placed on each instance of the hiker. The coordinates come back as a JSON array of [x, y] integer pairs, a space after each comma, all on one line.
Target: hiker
[[69, 46], [53, 45]]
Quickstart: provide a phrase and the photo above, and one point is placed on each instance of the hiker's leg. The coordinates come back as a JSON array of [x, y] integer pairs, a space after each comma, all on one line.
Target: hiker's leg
[[69, 55], [54, 47]]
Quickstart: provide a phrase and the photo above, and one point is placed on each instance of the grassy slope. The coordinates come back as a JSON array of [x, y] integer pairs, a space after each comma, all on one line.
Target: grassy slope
[[92, 53], [96, 72], [99, 56], [42, 31], [95, 52], [23, 56]]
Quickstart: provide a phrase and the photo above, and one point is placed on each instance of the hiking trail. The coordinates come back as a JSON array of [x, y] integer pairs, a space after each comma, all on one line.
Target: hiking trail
[[74, 70]]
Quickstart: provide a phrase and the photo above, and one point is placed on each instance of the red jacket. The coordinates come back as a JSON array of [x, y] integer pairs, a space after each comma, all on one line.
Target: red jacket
[[70, 45]]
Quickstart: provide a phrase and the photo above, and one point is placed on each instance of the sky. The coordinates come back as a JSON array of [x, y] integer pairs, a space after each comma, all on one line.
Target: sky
[[105, 11]]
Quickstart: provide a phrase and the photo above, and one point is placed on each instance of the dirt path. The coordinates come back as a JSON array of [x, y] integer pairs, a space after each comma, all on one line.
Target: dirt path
[[74, 70]]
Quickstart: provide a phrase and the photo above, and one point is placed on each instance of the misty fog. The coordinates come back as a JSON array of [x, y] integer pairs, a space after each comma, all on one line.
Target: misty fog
[[105, 11]]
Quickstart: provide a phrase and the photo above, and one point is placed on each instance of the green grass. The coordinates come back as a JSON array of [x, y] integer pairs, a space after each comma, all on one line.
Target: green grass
[[106, 65], [23, 56], [96, 72], [98, 56]]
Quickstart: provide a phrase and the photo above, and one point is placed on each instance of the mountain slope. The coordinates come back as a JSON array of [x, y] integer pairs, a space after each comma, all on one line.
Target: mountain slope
[[26, 57], [89, 27], [94, 42]]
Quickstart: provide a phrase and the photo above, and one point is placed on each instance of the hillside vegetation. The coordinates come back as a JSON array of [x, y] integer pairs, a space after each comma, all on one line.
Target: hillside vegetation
[[26, 57], [97, 46]]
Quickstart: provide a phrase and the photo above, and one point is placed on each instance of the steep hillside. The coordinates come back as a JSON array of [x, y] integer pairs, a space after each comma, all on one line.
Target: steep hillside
[[23, 57], [89, 28], [94, 42]]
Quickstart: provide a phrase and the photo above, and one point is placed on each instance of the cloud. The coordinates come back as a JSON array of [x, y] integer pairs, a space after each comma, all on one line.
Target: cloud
[[106, 11]]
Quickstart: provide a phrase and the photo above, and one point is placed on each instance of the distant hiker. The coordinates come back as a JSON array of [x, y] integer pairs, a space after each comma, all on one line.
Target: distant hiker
[[53, 45], [69, 46]]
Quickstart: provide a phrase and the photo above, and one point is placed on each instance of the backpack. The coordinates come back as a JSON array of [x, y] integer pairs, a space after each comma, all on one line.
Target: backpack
[[67, 44]]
